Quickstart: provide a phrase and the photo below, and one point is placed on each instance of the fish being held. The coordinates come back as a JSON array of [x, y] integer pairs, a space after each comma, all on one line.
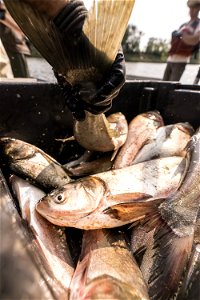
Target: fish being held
[[143, 127], [174, 222], [113, 198], [31, 162], [106, 269], [48, 240], [98, 133]]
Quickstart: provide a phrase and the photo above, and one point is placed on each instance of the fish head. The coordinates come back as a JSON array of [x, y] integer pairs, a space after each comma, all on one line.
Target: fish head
[[72, 201], [16, 149], [154, 116]]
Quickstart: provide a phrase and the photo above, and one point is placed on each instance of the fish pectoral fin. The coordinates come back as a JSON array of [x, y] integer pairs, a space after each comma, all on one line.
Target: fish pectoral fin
[[114, 154], [169, 256], [135, 206], [129, 197], [64, 140]]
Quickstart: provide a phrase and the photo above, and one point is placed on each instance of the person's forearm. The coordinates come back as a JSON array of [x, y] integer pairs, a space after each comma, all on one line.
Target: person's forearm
[[50, 7], [191, 39]]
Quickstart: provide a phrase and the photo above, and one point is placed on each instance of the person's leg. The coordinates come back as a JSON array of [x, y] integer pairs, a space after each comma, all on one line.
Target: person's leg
[[197, 78], [177, 71], [5, 67], [19, 65], [167, 73]]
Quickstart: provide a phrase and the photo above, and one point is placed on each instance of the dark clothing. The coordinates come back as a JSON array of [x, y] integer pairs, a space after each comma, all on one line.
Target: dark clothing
[[18, 64], [174, 71], [14, 42], [197, 77]]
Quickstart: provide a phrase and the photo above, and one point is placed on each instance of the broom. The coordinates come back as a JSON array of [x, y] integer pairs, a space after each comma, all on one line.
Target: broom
[[82, 62]]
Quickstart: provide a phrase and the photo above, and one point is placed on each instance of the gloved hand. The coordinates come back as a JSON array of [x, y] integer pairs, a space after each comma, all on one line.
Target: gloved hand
[[111, 85], [101, 101], [2, 14], [70, 96], [70, 22], [71, 19]]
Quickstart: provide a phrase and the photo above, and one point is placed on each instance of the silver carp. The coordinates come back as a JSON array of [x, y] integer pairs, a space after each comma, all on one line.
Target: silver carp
[[48, 240], [174, 223], [143, 127], [101, 133], [107, 269], [115, 197], [31, 162], [169, 140]]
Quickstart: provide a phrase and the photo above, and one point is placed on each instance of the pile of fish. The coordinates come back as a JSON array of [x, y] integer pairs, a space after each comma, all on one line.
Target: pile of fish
[[136, 206]]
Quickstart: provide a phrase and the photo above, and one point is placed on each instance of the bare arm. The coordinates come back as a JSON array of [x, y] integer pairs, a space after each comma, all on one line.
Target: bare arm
[[191, 39]]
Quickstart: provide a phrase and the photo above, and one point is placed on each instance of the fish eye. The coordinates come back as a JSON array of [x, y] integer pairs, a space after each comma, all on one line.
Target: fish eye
[[59, 198]]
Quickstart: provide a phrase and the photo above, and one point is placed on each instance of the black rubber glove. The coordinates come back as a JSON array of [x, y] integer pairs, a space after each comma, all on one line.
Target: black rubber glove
[[70, 96], [101, 101], [110, 86], [2, 14], [71, 19], [74, 102], [70, 22]]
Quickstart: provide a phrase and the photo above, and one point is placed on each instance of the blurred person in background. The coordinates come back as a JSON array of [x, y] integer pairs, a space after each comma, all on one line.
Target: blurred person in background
[[5, 67], [185, 43], [15, 43]]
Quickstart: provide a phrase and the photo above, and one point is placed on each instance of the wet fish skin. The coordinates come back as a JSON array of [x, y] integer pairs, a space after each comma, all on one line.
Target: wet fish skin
[[31, 162], [101, 133], [111, 199], [190, 288], [48, 240], [174, 230], [141, 241], [101, 164], [185, 202], [169, 140], [106, 269], [140, 130]]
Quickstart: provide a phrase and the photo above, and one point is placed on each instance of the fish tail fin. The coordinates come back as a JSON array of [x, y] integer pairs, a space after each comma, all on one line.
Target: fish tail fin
[[169, 256]]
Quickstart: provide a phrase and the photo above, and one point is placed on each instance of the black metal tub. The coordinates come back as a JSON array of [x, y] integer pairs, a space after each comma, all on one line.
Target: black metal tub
[[36, 113]]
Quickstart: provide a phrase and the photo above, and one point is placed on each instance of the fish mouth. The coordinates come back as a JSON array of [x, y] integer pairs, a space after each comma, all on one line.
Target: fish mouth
[[57, 217], [4, 144], [5, 140], [42, 207], [45, 211]]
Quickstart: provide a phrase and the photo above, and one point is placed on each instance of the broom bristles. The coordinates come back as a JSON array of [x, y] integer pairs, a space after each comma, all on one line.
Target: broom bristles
[[88, 60]]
